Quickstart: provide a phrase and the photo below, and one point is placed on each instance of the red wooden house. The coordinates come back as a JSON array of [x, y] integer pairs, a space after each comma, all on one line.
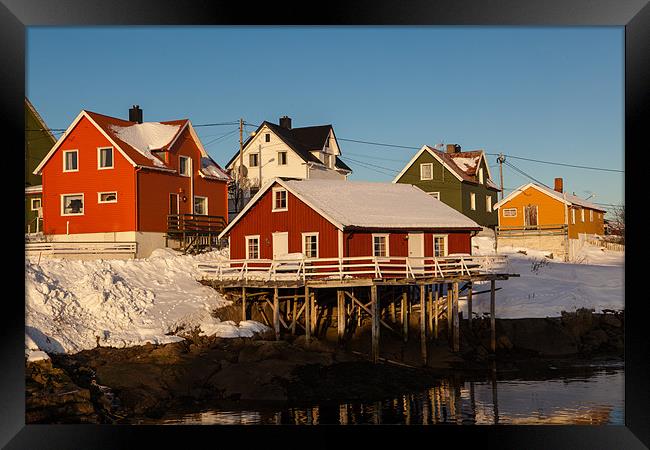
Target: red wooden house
[[342, 219], [115, 180]]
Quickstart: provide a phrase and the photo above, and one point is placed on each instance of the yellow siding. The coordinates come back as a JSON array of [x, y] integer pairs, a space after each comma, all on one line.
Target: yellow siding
[[550, 211], [597, 226]]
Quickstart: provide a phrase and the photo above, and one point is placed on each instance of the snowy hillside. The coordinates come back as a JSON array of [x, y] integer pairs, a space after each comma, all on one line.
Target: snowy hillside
[[70, 304], [546, 287]]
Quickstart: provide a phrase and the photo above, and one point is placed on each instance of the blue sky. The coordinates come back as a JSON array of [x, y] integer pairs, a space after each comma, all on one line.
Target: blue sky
[[553, 94]]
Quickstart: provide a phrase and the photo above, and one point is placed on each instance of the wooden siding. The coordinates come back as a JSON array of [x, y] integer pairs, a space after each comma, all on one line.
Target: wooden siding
[[480, 214], [97, 218], [299, 218], [359, 243], [597, 226]]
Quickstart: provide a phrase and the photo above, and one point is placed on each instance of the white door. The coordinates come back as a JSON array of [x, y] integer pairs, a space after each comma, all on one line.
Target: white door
[[416, 251], [280, 244]]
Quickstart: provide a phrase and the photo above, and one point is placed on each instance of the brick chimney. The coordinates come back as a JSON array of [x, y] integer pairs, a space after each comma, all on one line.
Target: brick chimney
[[453, 148], [559, 187], [135, 114], [285, 122]]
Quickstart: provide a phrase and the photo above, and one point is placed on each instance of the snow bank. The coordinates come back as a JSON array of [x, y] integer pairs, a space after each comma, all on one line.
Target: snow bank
[[547, 287], [73, 305]]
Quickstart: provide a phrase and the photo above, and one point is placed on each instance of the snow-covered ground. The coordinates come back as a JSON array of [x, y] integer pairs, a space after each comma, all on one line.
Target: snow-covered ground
[[546, 287], [70, 304]]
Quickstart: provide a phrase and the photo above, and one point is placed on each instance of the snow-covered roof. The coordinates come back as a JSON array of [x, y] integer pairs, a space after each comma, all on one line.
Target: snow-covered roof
[[147, 136], [365, 204], [209, 168], [563, 197]]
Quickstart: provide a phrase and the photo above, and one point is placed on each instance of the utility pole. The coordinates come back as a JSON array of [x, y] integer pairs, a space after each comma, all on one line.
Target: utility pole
[[240, 169], [501, 159]]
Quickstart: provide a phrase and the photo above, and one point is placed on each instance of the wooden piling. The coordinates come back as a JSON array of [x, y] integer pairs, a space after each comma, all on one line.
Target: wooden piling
[[455, 323], [243, 303], [436, 312], [340, 309], [469, 305], [493, 330], [404, 316], [294, 308], [276, 314], [449, 312], [430, 311], [423, 324], [307, 316], [314, 313], [375, 323]]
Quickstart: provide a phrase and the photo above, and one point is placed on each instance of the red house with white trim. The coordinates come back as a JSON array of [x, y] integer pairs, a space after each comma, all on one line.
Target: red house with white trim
[[113, 180], [340, 219]]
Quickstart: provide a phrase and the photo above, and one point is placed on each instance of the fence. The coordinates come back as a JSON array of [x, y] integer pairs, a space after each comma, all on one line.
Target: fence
[[79, 248], [350, 267], [598, 241]]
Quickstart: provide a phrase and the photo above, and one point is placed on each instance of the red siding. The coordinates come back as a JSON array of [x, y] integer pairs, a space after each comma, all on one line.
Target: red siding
[[359, 243], [298, 219]]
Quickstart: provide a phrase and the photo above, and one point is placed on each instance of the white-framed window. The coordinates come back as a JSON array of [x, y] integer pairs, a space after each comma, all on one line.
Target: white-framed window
[[591, 215], [71, 160], [253, 160], [104, 158], [36, 204], [282, 158], [279, 199], [200, 205], [380, 245], [107, 197], [582, 214], [184, 166], [573, 215], [488, 203], [480, 175], [434, 195], [253, 247], [440, 245], [472, 201], [310, 245], [510, 212], [72, 204], [426, 171]]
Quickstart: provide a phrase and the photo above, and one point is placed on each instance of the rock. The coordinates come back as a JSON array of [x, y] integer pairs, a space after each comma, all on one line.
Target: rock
[[504, 343], [544, 336], [579, 322], [594, 339], [610, 320]]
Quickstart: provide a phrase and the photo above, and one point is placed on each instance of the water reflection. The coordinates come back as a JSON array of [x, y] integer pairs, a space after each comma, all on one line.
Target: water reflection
[[596, 400]]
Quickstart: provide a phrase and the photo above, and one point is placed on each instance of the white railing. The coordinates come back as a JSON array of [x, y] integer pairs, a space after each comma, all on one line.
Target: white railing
[[307, 269], [79, 248]]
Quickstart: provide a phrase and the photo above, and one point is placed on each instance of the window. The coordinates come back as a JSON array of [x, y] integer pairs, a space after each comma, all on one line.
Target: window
[[282, 158], [439, 245], [472, 201], [267, 137], [279, 199], [380, 245], [510, 212], [105, 158], [70, 161], [107, 197], [434, 194], [72, 204], [591, 215], [253, 160], [573, 215], [252, 247], [480, 175], [426, 171], [184, 163], [488, 203], [310, 245], [36, 204], [582, 214], [200, 205]]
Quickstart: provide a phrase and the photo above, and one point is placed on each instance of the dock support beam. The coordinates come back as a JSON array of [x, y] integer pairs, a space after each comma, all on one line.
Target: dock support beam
[[436, 311], [243, 303], [456, 323], [276, 314], [307, 316], [294, 309], [423, 324], [469, 305], [314, 313], [405, 317], [375, 323], [449, 312], [340, 310], [493, 323]]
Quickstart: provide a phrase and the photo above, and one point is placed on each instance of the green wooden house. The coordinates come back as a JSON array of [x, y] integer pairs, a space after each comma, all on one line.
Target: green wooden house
[[38, 142], [460, 179]]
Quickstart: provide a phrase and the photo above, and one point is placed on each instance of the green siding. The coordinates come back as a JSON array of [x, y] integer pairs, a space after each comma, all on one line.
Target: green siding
[[30, 216]]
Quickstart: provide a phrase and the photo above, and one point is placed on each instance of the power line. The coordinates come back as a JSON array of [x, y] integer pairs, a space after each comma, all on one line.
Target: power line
[[373, 165], [524, 173], [559, 164]]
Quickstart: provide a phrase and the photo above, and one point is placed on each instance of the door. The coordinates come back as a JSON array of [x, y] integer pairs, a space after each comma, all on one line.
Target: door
[[530, 216], [280, 244], [416, 252]]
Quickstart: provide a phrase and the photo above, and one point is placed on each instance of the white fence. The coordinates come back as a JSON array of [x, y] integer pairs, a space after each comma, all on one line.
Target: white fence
[[599, 241], [79, 248], [351, 267]]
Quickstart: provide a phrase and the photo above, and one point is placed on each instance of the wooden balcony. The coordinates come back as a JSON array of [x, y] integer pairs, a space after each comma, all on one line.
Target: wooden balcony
[[195, 232]]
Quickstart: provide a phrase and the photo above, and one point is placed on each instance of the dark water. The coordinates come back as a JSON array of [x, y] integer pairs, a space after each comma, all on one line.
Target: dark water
[[593, 400]]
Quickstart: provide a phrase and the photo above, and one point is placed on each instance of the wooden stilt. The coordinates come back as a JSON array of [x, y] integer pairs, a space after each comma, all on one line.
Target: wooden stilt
[[455, 324], [314, 313], [391, 307], [276, 314], [405, 317], [243, 303], [436, 312], [469, 306], [430, 311], [307, 315], [375, 323], [340, 298], [423, 324], [294, 318], [493, 330], [449, 314]]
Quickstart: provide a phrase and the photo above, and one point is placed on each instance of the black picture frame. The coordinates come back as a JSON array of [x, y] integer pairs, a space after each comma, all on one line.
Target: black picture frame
[[634, 15]]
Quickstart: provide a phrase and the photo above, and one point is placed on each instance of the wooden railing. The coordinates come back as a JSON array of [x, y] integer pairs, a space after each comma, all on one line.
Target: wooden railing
[[351, 267], [195, 224], [79, 248], [531, 229]]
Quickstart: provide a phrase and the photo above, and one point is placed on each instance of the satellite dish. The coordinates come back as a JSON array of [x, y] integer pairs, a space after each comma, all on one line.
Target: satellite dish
[[243, 171]]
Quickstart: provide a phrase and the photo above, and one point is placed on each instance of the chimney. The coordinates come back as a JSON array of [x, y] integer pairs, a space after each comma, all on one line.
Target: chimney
[[453, 148], [559, 185], [135, 114], [285, 122]]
